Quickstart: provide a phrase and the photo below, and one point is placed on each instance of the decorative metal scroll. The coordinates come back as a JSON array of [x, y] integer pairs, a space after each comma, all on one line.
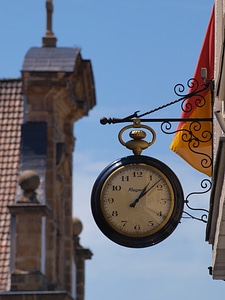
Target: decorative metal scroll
[[206, 185], [194, 134]]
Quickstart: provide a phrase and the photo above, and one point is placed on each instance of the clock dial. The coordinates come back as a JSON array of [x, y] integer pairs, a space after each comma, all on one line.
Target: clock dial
[[137, 201]]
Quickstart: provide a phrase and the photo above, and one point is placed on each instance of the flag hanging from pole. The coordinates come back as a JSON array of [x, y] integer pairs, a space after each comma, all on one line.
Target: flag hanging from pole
[[193, 141]]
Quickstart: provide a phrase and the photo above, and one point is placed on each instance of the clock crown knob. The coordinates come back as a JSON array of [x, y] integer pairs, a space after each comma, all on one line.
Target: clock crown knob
[[137, 134], [137, 144]]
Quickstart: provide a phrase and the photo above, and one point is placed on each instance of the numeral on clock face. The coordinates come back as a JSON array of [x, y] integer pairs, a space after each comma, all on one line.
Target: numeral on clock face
[[125, 178], [137, 174], [116, 187]]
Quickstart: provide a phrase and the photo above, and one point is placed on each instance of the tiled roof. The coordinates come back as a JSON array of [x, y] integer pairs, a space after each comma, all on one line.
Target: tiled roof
[[50, 59], [11, 117]]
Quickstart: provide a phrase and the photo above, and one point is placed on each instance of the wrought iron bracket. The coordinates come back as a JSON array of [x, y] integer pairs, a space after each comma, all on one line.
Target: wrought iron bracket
[[190, 135]]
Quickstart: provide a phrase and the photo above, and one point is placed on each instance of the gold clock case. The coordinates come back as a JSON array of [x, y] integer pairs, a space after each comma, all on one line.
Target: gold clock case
[[115, 225]]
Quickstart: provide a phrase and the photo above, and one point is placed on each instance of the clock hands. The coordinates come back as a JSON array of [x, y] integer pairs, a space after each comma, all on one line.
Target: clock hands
[[144, 192]]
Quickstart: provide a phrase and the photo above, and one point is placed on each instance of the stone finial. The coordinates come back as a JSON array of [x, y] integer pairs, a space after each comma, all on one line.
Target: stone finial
[[77, 226], [29, 182], [49, 40], [49, 8]]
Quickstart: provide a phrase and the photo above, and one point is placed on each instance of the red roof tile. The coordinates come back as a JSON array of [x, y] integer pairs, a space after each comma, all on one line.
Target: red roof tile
[[11, 117]]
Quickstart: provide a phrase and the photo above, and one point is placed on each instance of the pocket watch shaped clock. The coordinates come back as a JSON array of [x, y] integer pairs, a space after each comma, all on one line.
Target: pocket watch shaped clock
[[137, 201]]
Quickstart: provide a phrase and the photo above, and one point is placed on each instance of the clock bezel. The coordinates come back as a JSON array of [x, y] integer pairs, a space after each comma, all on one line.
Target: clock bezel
[[123, 239]]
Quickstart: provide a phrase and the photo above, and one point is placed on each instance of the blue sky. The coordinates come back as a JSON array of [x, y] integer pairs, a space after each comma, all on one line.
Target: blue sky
[[140, 50]]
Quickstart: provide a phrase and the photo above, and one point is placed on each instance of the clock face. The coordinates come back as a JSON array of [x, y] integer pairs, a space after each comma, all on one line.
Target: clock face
[[137, 201]]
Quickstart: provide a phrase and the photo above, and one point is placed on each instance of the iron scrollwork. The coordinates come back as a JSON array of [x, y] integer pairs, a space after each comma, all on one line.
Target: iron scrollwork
[[199, 100], [206, 185], [194, 136]]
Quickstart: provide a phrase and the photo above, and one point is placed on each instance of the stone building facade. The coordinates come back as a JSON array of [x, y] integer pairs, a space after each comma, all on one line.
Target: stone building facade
[[215, 232], [40, 253]]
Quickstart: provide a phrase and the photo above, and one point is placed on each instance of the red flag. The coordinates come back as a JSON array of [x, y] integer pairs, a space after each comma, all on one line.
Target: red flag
[[194, 145]]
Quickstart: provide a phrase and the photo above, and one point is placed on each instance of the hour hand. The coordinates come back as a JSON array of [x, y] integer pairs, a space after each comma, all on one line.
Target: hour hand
[[140, 195], [134, 203], [145, 190]]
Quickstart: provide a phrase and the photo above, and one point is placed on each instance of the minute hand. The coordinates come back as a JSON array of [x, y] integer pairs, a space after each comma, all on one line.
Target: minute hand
[[144, 192]]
